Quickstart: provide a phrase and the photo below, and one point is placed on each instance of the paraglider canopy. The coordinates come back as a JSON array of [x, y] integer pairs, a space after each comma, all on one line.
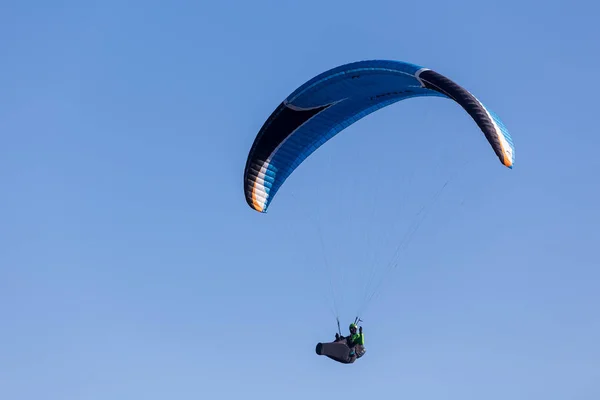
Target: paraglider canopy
[[335, 99]]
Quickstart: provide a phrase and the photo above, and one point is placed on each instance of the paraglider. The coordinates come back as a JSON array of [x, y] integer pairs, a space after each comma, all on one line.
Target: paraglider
[[345, 350], [332, 101]]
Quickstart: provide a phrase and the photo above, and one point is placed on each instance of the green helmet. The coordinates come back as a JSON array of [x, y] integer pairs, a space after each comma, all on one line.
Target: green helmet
[[352, 326]]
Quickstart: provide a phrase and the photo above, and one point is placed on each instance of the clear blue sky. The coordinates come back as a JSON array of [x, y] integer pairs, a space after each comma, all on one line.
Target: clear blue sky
[[131, 266]]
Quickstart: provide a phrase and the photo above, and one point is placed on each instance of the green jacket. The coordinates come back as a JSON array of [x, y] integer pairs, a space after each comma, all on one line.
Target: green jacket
[[357, 338]]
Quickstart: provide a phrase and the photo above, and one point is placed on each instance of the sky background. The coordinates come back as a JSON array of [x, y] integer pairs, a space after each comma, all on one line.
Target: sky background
[[132, 267]]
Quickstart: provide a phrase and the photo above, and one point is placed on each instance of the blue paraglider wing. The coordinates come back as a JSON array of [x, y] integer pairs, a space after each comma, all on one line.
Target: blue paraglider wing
[[335, 99]]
